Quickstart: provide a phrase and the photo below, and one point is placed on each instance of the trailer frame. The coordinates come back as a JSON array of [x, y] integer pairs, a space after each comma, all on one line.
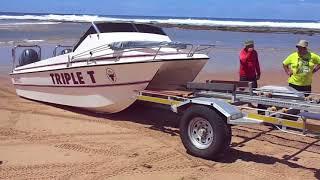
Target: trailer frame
[[208, 110]]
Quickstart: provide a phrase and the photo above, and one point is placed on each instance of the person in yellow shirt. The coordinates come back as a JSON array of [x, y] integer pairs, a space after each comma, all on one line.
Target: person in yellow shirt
[[300, 66]]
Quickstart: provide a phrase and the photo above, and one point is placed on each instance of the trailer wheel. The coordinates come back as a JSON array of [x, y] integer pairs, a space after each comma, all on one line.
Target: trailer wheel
[[204, 133]]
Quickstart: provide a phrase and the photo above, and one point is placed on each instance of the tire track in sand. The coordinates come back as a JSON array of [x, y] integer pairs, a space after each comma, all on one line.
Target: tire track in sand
[[146, 160], [44, 170], [111, 151], [278, 140]]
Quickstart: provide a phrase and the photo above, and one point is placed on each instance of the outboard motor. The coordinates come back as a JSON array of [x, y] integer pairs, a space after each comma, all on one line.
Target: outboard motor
[[65, 51], [28, 56]]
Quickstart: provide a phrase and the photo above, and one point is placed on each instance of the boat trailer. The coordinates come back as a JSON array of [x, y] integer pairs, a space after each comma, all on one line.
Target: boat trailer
[[208, 110]]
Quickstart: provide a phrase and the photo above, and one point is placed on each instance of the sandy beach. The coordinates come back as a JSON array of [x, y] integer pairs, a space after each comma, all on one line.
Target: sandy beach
[[41, 141]]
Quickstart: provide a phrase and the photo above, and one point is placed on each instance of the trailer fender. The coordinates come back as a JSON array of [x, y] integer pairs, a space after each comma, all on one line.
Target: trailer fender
[[229, 111]]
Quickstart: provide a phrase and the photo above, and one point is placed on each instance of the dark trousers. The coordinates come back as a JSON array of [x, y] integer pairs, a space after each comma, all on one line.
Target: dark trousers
[[253, 80], [306, 89]]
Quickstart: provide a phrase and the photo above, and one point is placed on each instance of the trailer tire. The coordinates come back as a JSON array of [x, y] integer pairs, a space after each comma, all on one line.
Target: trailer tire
[[204, 132]]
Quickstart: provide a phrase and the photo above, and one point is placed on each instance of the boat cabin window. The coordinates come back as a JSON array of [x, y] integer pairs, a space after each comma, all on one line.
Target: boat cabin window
[[128, 27], [118, 27], [149, 29], [121, 27], [91, 30]]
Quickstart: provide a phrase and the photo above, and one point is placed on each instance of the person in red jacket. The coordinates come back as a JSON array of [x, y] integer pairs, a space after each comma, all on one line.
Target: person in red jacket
[[249, 64]]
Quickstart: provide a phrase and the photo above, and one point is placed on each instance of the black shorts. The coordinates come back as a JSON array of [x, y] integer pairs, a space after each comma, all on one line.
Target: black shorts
[[306, 89], [253, 80]]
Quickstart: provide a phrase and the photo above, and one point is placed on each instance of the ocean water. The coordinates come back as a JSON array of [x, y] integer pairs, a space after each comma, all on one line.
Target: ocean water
[[165, 20], [50, 30]]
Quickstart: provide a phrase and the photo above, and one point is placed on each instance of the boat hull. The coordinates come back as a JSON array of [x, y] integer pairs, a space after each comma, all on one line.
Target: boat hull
[[106, 88], [173, 74]]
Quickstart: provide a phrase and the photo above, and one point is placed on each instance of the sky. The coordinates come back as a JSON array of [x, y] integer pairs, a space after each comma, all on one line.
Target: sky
[[252, 9]]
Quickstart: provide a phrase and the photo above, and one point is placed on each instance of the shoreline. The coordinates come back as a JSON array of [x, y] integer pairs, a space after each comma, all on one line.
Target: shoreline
[[303, 31]]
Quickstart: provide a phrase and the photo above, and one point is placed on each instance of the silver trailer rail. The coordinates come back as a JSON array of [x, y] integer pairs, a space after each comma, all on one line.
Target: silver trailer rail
[[209, 109]]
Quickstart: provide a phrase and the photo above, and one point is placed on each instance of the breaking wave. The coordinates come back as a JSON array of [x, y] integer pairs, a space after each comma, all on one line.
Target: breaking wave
[[173, 21]]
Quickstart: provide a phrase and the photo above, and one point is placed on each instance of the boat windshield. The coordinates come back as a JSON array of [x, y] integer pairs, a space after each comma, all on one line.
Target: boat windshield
[[108, 27]]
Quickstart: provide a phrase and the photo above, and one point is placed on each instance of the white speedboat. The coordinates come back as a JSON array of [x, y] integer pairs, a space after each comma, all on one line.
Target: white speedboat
[[106, 69]]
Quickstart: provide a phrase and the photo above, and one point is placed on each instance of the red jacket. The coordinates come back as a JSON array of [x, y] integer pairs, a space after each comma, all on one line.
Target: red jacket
[[249, 64]]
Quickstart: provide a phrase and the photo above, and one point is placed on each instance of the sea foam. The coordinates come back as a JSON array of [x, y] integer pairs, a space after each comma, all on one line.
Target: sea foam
[[172, 21]]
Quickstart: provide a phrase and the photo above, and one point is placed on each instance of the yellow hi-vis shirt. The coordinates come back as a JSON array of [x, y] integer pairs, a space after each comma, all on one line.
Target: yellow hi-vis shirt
[[301, 68]]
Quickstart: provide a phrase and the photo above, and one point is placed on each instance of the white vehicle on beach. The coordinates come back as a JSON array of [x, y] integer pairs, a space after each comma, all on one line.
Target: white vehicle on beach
[[107, 67]]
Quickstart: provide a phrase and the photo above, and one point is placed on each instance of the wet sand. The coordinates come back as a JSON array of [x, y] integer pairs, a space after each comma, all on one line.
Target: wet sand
[[309, 32], [49, 142], [268, 77]]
